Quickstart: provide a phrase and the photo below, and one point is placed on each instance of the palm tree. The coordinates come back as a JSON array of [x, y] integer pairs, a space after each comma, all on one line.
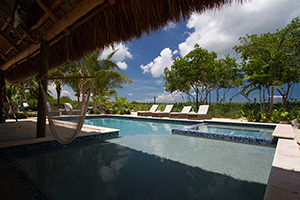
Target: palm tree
[[58, 72], [33, 87], [107, 78]]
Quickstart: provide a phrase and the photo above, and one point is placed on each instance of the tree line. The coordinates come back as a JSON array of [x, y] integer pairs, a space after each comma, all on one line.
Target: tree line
[[107, 79], [270, 61]]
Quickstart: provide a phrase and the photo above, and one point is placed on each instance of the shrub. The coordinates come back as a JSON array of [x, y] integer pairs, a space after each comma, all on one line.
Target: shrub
[[107, 111], [92, 111], [114, 112], [127, 112], [97, 112], [18, 115], [31, 115], [122, 112]]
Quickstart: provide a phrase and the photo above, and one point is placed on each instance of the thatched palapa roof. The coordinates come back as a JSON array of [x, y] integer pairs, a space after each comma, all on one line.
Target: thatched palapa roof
[[74, 27]]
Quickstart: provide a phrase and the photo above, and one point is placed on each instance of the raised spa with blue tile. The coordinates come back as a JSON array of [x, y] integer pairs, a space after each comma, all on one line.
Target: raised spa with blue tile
[[240, 132]]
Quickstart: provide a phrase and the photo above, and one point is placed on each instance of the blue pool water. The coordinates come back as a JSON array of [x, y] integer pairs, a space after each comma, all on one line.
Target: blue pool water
[[131, 126], [150, 167], [150, 164]]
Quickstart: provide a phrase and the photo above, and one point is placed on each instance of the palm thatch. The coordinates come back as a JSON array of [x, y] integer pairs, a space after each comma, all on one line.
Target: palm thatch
[[72, 29]]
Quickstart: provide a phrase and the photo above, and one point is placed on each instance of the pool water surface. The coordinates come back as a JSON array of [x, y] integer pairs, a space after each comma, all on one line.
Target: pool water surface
[[152, 163], [150, 167], [131, 126]]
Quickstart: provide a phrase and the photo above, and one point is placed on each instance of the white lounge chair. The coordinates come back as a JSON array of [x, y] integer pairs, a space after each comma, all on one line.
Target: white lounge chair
[[202, 113], [181, 115], [148, 113], [165, 113], [70, 111]]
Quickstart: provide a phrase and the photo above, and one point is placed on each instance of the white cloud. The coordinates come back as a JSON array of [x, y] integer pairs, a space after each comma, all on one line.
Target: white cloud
[[167, 97], [169, 26], [219, 30], [130, 94], [122, 65], [68, 94], [119, 57], [51, 88], [66, 91], [159, 82], [157, 66], [163, 97], [145, 100]]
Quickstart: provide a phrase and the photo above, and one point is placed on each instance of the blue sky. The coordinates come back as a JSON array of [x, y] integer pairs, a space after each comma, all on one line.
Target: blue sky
[[144, 59]]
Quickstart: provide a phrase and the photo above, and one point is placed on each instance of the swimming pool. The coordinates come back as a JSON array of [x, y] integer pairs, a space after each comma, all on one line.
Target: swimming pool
[[149, 166]]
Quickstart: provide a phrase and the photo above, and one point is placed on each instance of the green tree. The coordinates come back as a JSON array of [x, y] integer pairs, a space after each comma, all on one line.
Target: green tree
[[271, 60], [58, 73], [120, 103], [227, 75], [107, 77], [193, 73]]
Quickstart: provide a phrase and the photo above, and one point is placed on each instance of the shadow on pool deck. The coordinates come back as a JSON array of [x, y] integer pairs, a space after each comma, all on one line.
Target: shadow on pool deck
[[281, 187]]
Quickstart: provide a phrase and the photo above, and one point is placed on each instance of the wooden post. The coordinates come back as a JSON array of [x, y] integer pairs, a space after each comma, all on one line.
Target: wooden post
[[2, 97], [41, 120]]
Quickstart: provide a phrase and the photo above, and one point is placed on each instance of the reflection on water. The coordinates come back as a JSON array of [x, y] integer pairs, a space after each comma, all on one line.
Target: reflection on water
[[102, 170], [134, 127]]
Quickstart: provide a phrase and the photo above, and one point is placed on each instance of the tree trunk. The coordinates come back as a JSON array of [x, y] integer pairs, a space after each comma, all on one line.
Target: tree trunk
[[260, 101], [264, 100], [2, 96], [271, 101], [217, 91], [58, 89], [197, 100]]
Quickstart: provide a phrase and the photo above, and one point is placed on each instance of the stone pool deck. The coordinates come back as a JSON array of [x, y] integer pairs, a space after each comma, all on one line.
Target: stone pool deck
[[24, 132], [284, 178]]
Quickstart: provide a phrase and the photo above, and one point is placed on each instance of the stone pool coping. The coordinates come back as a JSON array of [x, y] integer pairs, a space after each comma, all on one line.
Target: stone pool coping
[[90, 133]]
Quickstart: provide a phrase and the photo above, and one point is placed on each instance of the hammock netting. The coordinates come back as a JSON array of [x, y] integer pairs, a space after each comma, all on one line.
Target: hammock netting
[[66, 130]]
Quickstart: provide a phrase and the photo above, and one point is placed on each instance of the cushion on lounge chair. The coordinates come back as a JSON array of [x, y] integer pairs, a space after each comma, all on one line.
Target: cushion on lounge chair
[[165, 113], [68, 106], [183, 114], [148, 113], [203, 109], [201, 114]]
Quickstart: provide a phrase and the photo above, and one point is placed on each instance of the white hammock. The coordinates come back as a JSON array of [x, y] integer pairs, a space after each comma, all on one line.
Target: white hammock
[[58, 127]]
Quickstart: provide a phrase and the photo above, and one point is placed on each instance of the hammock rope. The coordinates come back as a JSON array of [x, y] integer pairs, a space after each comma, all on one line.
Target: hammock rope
[[74, 127]]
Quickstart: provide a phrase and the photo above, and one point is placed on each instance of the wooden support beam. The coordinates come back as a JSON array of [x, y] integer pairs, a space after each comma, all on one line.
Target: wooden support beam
[[79, 11], [112, 2], [46, 16], [28, 35], [8, 50], [2, 96], [5, 24], [10, 43], [41, 119], [66, 78], [4, 57], [51, 14]]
